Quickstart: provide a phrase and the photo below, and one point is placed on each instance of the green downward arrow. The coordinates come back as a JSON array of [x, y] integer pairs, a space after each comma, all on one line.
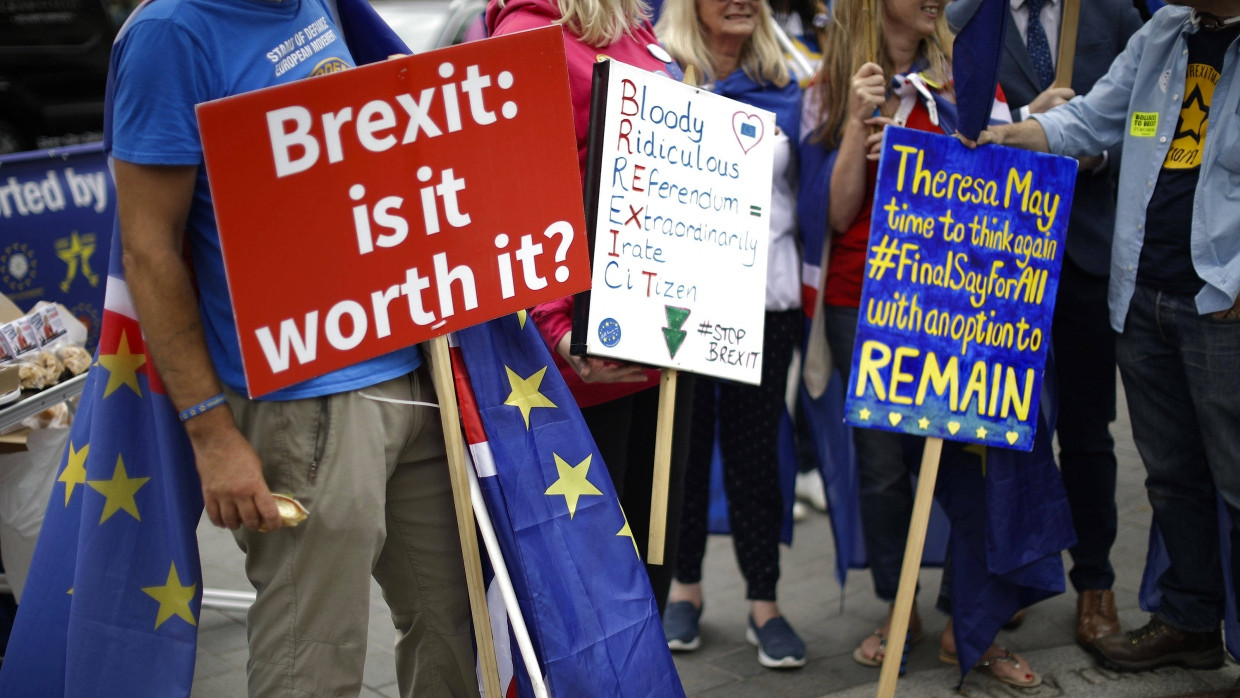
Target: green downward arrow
[[672, 334]]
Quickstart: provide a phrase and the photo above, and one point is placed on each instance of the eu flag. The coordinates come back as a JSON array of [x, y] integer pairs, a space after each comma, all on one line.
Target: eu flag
[[582, 588], [111, 604], [1010, 525]]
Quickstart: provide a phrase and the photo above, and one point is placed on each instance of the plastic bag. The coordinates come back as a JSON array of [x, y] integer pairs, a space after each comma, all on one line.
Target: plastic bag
[[26, 480]]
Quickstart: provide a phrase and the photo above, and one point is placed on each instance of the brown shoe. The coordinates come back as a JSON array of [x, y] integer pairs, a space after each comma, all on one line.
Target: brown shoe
[[1095, 616], [1158, 644]]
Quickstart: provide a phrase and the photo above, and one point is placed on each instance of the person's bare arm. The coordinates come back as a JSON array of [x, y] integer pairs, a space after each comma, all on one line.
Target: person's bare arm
[[153, 203], [848, 179]]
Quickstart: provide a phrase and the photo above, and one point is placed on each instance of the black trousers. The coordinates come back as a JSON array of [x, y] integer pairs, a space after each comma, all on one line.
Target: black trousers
[[748, 418], [1084, 346]]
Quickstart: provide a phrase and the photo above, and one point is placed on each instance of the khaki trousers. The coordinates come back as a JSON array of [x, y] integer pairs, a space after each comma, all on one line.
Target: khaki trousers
[[374, 477]]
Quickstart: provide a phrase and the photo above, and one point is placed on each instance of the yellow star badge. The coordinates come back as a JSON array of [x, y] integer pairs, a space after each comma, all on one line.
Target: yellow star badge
[[122, 367], [74, 473], [923, 423], [865, 414], [119, 492], [981, 432], [173, 599], [525, 395], [572, 483]]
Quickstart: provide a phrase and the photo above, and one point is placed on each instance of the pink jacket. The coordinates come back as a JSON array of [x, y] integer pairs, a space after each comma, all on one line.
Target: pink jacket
[[554, 319]]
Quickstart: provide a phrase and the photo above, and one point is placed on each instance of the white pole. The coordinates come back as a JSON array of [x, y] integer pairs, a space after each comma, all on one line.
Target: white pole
[[483, 517], [803, 64]]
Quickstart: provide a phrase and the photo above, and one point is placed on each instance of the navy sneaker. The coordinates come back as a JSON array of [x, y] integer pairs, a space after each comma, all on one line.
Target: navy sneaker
[[680, 626], [777, 643]]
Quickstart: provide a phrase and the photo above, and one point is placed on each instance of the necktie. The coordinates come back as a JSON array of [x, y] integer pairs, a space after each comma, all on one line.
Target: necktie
[[1035, 41]]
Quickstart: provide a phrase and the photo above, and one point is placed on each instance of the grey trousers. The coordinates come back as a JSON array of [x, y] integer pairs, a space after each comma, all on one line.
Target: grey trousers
[[375, 479]]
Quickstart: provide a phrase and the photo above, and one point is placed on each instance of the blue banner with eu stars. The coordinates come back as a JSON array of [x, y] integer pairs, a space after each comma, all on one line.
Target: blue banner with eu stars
[[581, 586], [959, 290], [56, 210]]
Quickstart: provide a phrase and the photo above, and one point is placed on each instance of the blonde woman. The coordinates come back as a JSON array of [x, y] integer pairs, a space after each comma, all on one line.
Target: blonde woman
[[855, 96], [617, 400], [730, 44]]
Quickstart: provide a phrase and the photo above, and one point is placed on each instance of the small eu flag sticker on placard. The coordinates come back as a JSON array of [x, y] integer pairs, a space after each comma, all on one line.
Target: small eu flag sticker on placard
[[749, 130]]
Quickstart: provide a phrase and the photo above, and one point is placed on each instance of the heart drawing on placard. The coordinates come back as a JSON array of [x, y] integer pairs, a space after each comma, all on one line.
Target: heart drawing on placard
[[894, 418], [748, 129], [953, 427], [1012, 437]]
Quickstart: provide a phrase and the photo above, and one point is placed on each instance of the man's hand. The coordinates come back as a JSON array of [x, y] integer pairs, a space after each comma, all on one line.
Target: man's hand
[[1050, 98], [594, 370], [1025, 134], [1232, 313], [233, 489]]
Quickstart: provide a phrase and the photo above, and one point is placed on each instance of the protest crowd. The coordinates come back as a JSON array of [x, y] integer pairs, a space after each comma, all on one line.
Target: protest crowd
[[1145, 284]]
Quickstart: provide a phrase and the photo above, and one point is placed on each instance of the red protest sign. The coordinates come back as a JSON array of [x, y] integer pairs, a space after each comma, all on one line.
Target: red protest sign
[[367, 210]]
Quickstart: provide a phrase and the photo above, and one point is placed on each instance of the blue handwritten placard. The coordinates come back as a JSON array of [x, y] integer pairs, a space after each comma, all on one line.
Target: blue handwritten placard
[[960, 279], [56, 212]]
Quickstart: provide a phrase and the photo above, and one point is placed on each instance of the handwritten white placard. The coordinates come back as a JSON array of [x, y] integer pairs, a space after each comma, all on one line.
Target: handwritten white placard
[[682, 232]]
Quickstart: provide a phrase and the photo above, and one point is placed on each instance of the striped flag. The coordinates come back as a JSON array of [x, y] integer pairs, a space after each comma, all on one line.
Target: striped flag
[[111, 604]]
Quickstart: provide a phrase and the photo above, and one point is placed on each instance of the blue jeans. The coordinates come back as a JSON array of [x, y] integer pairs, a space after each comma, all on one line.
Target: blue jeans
[[886, 489], [1181, 374]]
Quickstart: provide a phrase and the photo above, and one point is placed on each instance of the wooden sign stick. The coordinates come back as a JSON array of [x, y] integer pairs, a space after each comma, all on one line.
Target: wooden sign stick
[[1067, 43], [663, 441], [869, 14], [449, 415], [912, 565], [662, 466]]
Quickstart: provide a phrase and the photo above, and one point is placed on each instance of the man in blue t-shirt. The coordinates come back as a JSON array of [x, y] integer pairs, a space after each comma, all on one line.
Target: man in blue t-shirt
[[372, 473]]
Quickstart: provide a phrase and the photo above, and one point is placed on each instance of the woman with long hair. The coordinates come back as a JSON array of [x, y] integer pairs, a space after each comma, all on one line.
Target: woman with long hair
[[731, 45], [617, 400], [904, 79]]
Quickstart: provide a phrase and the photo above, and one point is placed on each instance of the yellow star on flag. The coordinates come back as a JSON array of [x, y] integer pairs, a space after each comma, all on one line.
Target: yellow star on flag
[[628, 532], [119, 492], [572, 483], [521, 317], [173, 599], [525, 395], [923, 423], [122, 367], [981, 432], [865, 414], [74, 473]]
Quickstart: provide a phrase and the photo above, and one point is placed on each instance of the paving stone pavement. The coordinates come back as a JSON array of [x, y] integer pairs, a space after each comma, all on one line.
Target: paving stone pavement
[[832, 622]]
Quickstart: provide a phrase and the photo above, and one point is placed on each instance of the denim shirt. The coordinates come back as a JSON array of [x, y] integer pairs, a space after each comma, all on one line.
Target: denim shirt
[[1149, 78]]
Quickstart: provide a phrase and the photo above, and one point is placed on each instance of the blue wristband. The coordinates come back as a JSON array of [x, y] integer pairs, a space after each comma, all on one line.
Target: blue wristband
[[209, 403]]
